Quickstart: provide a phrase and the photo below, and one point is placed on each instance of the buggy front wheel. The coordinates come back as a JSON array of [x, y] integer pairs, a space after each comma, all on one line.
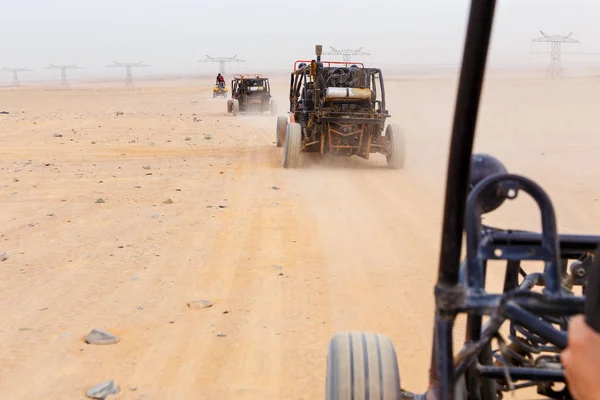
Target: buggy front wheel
[[292, 146], [395, 135], [362, 366], [280, 132]]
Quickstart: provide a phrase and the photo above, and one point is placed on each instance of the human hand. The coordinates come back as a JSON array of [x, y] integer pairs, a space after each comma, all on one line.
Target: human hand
[[581, 360]]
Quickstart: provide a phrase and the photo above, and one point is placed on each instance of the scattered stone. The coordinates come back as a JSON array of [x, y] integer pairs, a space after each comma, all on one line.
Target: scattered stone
[[6, 113], [137, 187], [188, 138], [64, 335], [207, 136], [151, 144], [208, 206], [199, 304], [225, 312], [118, 113], [51, 215], [178, 190], [277, 266], [222, 206], [58, 135], [102, 390], [15, 179], [146, 167], [100, 201], [275, 188], [3, 257], [168, 201], [154, 215], [171, 322], [149, 173], [197, 119], [133, 388], [275, 203], [42, 309], [221, 335], [98, 336], [93, 142], [135, 278]]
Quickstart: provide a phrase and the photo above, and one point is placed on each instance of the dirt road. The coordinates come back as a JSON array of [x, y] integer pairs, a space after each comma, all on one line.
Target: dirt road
[[336, 245]]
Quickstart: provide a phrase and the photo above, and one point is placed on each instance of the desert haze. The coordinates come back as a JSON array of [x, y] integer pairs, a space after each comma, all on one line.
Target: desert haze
[[155, 215]]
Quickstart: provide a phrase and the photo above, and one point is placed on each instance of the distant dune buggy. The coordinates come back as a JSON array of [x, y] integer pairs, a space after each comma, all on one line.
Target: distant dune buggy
[[220, 90], [251, 93], [338, 108]]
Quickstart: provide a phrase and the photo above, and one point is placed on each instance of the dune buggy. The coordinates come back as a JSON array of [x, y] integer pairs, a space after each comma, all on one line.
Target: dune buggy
[[338, 108], [513, 338], [251, 93], [220, 90]]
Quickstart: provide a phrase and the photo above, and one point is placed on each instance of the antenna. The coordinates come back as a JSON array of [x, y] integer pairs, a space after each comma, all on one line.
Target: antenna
[[15, 72], [555, 68], [222, 61], [346, 53], [63, 73], [128, 67]]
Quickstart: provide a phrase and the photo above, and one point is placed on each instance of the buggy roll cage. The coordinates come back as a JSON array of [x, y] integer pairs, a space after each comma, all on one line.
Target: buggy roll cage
[[455, 293], [248, 76], [329, 63], [300, 76]]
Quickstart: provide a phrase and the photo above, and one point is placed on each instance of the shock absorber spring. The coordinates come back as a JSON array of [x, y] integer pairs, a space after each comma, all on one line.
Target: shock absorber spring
[[303, 121]]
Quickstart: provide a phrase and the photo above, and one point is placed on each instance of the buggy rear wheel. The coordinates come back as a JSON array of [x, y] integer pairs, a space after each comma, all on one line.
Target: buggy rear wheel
[[280, 132], [292, 146], [273, 107], [229, 106], [362, 366], [235, 108], [395, 135]]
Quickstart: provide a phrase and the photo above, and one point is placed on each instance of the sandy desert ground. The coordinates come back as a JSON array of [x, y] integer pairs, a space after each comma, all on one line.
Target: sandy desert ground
[[343, 244]]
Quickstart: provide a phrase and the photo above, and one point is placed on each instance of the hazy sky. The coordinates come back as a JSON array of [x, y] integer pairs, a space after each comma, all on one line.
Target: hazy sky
[[172, 35]]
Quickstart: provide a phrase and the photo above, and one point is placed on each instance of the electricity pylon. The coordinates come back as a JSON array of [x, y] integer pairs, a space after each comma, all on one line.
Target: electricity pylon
[[346, 53], [555, 68], [128, 67], [222, 61], [63, 73], [15, 72]]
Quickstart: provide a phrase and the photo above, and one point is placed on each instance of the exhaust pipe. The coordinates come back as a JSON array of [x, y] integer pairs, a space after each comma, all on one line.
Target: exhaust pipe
[[319, 51]]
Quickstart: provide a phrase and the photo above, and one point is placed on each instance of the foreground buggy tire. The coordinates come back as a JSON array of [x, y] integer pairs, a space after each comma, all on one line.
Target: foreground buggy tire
[[362, 366], [235, 108], [280, 132], [395, 135], [273, 108], [229, 106], [292, 145]]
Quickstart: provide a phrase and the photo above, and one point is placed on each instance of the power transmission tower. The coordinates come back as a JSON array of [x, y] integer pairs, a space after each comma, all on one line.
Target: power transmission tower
[[63, 73], [555, 68], [346, 53], [128, 67], [15, 72], [222, 61]]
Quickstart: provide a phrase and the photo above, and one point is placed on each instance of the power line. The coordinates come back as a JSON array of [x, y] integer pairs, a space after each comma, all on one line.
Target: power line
[[346, 53], [63, 73], [15, 72], [555, 68], [128, 67], [222, 61]]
